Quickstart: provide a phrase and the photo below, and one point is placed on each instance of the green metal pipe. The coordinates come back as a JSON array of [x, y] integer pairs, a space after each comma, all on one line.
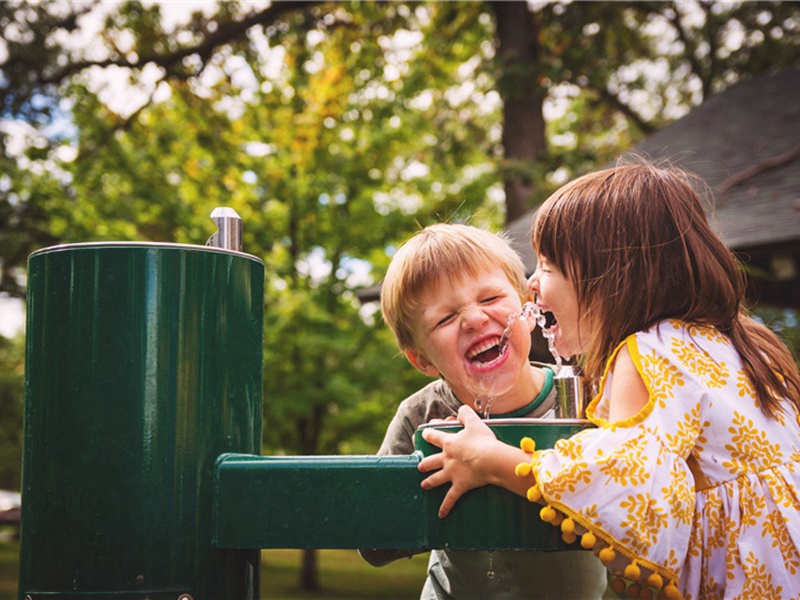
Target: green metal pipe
[[143, 366], [376, 501]]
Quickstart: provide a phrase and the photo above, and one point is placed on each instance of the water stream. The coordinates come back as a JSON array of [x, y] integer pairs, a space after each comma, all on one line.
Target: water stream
[[484, 390]]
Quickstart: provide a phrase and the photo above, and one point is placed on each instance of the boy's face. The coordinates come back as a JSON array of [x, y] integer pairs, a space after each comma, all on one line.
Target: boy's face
[[458, 327]]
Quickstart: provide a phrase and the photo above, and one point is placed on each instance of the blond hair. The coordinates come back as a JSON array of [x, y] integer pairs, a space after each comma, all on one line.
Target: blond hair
[[440, 251], [635, 242]]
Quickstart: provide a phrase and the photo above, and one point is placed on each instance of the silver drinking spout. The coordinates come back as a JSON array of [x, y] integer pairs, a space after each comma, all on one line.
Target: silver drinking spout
[[229, 229], [570, 396]]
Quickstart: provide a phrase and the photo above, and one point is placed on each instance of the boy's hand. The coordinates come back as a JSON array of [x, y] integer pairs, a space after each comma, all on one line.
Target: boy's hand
[[465, 459]]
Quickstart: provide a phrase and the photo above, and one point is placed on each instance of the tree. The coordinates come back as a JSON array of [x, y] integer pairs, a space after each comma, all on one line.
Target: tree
[[335, 129], [11, 355]]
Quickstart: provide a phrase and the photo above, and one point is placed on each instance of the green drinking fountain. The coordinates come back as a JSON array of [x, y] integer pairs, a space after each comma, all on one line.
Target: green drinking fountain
[[142, 473]]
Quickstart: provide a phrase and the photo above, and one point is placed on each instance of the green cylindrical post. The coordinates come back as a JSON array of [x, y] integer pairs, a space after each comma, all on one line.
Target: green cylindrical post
[[143, 366]]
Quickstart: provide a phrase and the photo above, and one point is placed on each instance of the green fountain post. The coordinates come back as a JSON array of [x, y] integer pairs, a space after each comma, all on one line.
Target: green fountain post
[[144, 365]]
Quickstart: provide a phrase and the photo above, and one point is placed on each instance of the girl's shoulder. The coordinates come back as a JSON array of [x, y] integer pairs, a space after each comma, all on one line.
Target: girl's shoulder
[[673, 333]]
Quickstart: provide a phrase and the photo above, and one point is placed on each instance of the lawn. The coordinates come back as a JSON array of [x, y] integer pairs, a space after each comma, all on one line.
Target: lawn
[[343, 576]]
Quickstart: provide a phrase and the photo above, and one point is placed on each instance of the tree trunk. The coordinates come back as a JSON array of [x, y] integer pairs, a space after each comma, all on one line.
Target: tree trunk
[[523, 98], [309, 574]]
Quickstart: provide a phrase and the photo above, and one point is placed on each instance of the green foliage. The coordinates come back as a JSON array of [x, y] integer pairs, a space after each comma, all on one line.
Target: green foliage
[[335, 130], [785, 322], [319, 160], [11, 402]]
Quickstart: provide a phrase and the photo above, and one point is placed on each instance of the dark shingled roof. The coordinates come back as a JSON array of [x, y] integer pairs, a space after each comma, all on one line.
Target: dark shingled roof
[[745, 143]]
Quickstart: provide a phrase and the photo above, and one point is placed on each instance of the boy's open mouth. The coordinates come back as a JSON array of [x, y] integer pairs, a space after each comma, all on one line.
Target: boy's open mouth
[[484, 352]]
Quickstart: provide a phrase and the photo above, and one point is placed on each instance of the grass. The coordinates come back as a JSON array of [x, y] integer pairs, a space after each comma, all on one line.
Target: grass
[[9, 557], [343, 575]]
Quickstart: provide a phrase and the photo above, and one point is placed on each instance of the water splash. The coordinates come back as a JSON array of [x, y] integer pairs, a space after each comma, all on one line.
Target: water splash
[[484, 388], [483, 404], [530, 311]]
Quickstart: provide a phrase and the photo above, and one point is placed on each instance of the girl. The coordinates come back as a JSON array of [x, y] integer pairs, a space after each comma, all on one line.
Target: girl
[[690, 484]]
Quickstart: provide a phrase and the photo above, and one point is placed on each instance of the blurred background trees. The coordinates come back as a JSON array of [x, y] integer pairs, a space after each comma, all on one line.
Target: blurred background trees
[[335, 130]]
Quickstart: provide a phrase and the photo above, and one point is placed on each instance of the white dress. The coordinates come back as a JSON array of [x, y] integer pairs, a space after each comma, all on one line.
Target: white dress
[[699, 488]]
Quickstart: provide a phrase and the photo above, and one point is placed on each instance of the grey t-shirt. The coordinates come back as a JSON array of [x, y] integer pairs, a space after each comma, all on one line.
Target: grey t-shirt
[[479, 574]]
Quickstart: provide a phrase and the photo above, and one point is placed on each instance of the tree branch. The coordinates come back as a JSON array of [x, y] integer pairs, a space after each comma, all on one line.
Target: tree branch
[[616, 103], [226, 33]]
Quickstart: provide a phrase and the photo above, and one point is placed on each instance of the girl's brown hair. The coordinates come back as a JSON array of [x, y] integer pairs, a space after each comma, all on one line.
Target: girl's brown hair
[[636, 243]]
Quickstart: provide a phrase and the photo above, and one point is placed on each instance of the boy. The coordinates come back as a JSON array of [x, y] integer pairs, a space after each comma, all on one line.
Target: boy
[[446, 296]]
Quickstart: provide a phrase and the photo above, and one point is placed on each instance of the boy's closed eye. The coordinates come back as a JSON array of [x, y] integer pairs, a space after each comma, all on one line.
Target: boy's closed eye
[[444, 320]]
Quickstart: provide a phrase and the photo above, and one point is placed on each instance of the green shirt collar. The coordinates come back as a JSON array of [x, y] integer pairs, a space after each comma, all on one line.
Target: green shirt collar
[[535, 403]]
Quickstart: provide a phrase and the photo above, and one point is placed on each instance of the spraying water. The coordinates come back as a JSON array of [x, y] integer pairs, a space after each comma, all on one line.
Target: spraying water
[[484, 388], [531, 311]]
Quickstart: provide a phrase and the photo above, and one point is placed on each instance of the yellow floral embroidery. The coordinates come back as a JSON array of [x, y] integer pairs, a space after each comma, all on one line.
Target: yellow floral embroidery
[[714, 522], [590, 512], [662, 378], [688, 430], [712, 590], [681, 504], [696, 539], [713, 374], [774, 527], [644, 520], [759, 581], [635, 489], [571, 447], [709, 333], [744, 385], [780, 491], [673, 561], [750, 450], [626, 466], [754, 506], [568, 479], [732, 554]]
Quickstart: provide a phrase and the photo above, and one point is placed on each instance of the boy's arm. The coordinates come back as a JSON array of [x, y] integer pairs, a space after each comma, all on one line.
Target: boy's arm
[[379, 557]]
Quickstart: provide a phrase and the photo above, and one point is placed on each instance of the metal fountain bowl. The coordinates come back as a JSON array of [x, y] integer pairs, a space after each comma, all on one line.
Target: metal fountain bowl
[[545, 432]]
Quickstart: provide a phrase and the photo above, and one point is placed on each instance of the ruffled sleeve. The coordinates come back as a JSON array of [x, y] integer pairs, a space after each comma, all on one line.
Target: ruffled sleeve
[[626, 489]]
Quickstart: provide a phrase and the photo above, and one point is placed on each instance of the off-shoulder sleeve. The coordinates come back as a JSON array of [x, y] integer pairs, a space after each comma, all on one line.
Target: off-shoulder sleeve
[[626, 488]]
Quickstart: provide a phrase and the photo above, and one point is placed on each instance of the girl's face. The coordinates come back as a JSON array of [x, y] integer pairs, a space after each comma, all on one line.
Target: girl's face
[[458, 329], [556, 294]]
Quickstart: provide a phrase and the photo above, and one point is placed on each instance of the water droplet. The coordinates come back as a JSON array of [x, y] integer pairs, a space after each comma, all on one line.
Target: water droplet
[[532, 311]]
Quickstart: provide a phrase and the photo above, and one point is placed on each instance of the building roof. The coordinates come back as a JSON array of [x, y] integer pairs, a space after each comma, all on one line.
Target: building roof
[[745, 144]]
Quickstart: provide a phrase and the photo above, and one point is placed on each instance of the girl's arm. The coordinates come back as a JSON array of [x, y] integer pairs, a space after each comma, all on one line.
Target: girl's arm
[[628, 392], [471, 458]]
